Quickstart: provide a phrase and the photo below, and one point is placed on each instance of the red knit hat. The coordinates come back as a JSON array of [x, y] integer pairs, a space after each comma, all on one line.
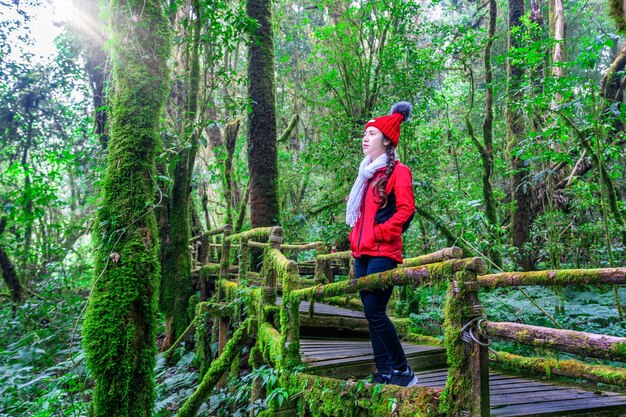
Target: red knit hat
[[390, 125]]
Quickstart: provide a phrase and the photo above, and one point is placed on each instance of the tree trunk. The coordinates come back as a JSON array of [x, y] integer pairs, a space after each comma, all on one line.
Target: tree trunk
[[120, 321], [231, 132], [262, 148], [8, 270], [176, 288], [92, 45], [486, 150], [521, 186]]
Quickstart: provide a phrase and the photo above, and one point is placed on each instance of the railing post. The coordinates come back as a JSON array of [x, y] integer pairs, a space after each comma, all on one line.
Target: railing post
[[467, 386], [244, 258], [275, 240], [225, 258], [203, 258], [323, 270]]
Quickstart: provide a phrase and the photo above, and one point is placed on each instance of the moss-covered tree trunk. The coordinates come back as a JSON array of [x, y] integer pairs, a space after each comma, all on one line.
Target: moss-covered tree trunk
[[120, 321], [515, 131], [262, 150], [486, 150], [176, 288]]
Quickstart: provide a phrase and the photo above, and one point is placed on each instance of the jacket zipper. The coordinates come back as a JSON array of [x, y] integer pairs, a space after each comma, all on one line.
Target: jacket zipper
[[358, 246]]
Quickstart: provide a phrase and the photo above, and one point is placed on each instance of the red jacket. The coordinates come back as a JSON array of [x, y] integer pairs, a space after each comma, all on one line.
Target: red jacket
[[378, 230]]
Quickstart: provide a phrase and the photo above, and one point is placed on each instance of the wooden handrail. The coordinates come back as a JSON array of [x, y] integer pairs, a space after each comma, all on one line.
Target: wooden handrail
[[580, 343], [211, 232], [441, 255], [555, 277], [249, 234], [303, 246], [400, 276]]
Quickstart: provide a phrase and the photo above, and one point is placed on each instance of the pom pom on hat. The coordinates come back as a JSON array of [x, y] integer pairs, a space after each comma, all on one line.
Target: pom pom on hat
[[390, 125], [404, 108]]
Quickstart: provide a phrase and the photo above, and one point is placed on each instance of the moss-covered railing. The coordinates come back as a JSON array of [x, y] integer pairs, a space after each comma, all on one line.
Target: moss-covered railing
[[574, 342], [467, 385], [275, 327]]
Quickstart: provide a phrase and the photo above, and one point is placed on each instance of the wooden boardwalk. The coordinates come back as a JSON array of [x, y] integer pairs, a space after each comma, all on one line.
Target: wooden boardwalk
[[510, 395]]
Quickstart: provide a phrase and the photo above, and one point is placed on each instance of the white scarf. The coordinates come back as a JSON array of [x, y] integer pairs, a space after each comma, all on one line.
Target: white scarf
[[366, 171]]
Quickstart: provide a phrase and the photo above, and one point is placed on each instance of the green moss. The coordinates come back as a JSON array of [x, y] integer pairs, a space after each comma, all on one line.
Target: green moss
[[218, 367], [421, 339], [258, 232], [568, 368], [226, 289], [347, 301], [555, 277], [208, 271], [325, 397], [119, 328], [202, 321], [269, 345], [401, 276], [620, 349], [456, 397], [616, 11]]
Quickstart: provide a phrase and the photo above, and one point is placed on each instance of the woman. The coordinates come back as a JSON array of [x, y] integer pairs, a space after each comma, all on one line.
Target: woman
[[380, 206]]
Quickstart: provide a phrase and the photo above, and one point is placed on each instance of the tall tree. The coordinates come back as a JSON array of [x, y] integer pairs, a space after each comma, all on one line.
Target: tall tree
[[515, 131], [7, 270], [486, 149], [90, 33], [119, 329], [176, 285], [262, 148]]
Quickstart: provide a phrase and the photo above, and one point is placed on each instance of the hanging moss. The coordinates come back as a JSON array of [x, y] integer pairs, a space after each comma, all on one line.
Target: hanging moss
[[218, 367], [268, 343], [119, 328], [287, 274]]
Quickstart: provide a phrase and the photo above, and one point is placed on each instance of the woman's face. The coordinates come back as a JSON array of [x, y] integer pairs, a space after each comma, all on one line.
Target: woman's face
[[374, 143]]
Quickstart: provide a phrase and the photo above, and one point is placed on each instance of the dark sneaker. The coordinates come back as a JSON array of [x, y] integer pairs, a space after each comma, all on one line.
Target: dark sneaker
[[380, 378], [403, 379]]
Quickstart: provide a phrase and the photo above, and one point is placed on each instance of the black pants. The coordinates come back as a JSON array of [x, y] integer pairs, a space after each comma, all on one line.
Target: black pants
[[388, 352]]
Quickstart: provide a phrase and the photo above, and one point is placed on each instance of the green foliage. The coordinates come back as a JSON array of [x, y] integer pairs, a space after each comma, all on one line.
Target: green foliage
[[42, 366]]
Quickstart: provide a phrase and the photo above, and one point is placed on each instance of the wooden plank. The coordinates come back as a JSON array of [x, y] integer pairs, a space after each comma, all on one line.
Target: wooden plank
[[515, 381], [519, 387], [565, 407], [352, 354], [544, 396], [361, 369]]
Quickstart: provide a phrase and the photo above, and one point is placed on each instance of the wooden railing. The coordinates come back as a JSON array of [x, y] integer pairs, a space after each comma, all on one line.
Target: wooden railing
[[465, 328]]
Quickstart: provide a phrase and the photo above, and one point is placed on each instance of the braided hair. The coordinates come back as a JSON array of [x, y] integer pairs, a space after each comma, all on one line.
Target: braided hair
[[380, 184]]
